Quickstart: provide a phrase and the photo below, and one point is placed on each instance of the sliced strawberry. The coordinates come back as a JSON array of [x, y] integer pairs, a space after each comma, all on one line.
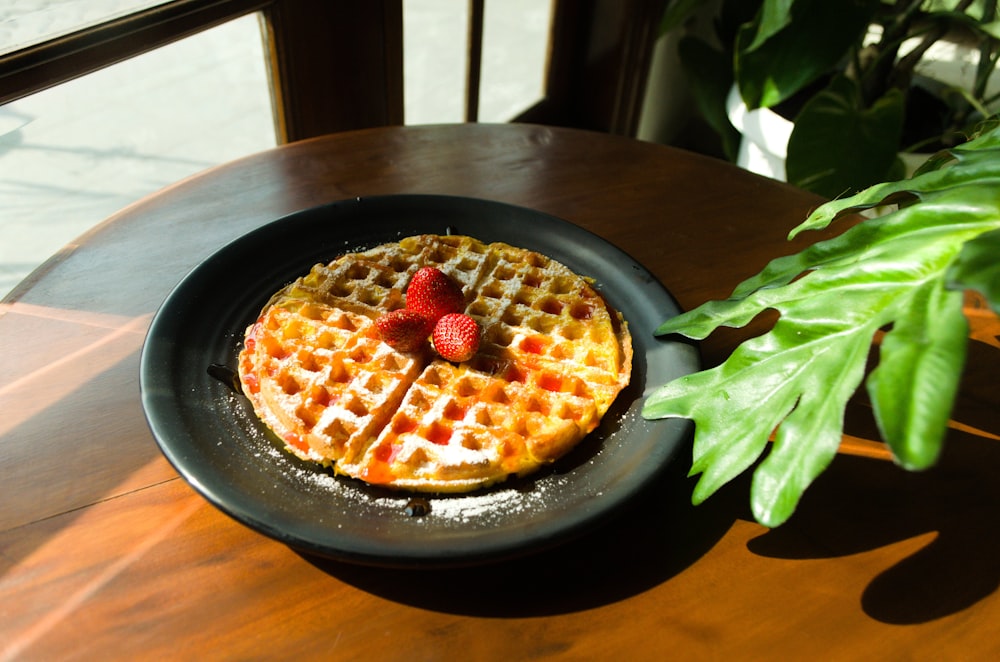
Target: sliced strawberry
[[404, 330], [456, 337], [434, 294]]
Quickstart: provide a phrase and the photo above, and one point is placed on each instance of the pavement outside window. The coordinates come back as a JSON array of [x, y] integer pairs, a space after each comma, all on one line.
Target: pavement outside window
[[74, 154]]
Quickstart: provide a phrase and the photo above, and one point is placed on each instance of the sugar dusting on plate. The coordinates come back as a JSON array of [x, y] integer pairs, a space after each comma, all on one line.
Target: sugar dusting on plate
[[484, 508]]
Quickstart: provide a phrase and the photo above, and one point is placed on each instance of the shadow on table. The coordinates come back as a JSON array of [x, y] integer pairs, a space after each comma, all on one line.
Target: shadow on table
[[661, 535], [864, 504]]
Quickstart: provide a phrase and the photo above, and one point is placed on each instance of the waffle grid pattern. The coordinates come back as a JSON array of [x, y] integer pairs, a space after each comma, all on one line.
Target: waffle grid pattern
[[552, 360]]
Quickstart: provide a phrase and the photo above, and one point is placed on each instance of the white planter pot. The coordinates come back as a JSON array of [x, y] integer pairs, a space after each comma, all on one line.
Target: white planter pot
[[765, 137]]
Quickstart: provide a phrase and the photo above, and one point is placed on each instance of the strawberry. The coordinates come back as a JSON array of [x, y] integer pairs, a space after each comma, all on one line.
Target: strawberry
[[434, 294], [456, 337], [403, 330]]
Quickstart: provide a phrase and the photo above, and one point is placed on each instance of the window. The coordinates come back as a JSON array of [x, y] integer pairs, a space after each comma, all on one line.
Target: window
[[436, 58], [515, 50], [28, 22], [74, 154]]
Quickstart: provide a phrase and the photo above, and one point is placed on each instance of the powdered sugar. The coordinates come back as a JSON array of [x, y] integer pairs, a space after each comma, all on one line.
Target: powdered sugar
[[483, 508], [488, 506]]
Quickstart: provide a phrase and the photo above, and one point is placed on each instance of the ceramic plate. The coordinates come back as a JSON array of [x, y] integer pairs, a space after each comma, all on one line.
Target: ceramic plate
[[210, 435]]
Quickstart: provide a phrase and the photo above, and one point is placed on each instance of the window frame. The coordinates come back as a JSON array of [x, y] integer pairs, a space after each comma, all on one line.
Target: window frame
[[303, 40], [599, 57]]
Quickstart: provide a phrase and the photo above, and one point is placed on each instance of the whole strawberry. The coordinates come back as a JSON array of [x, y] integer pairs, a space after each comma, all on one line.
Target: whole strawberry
[[456, 337], [434, 294], [404, 330]]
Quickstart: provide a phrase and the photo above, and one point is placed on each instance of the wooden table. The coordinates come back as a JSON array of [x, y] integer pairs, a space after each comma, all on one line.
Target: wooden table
[[106, 553]]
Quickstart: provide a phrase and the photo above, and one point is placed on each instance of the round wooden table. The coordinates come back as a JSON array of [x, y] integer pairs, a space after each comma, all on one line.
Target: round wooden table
[[106, 553]]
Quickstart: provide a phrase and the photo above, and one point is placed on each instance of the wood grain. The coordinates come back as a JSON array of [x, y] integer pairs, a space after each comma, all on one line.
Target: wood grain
[[106, 553]]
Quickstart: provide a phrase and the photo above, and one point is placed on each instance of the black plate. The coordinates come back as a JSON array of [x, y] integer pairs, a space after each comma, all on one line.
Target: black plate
[[212, 438]]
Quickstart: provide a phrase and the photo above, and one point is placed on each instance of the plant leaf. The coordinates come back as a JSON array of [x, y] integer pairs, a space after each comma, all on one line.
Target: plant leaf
[[975, 163], [774, 16], [991, 29], [676, 13], [839, 147], [832, 298], [709, 74], [978, 268], [791, 466], [772, 64], [914, 386], [965, 20]]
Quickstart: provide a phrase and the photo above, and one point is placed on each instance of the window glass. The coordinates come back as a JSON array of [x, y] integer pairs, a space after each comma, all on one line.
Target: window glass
[[27, 22], [515, 50], [72, 155], [435, 52]]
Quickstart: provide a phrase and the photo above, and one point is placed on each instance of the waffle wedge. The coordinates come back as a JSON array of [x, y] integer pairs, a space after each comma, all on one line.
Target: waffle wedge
[[552, 359]]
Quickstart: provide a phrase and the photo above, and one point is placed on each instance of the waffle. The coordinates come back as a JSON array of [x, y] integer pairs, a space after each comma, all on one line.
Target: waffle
[[552, 359]]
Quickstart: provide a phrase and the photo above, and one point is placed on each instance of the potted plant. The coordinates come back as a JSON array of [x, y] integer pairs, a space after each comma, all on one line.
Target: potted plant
[[846, 74], [905, 270]]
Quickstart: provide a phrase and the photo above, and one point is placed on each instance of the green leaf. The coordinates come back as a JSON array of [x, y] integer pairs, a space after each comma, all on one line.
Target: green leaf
[[991, 29], [978, 268], [955, 21], [710, 76], [887, 272], [972, 165], [777, 56], [791, 466], [676, 13], [774, 16], [914, 386], [839, 147]]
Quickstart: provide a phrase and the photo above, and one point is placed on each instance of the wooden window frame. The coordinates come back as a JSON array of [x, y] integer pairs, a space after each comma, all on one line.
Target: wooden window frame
[[599, 61], [308, 43], [337, 65]]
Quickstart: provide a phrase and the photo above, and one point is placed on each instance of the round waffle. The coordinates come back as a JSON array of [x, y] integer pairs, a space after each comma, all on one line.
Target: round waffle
[[552, 359]]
